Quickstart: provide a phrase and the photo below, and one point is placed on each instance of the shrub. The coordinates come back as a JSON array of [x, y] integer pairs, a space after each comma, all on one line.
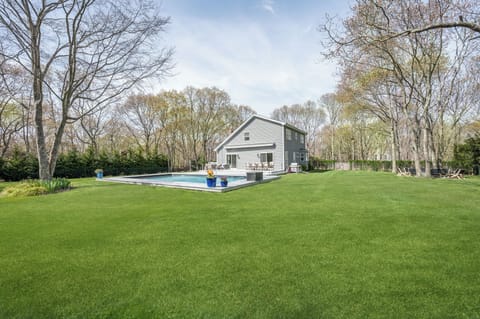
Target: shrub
[[19, 166], [371, 165], [317, 164], [73, 164], [467, 156], [24, 189], [36, 187], [55, 185], [70, 165]]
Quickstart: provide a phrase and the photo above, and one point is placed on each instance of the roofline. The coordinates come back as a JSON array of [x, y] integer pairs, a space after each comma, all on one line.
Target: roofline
[[281, 123], [261, 118], [295, 128]]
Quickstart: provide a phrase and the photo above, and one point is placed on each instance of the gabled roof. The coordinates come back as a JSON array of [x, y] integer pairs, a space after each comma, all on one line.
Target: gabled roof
[[250, 119]]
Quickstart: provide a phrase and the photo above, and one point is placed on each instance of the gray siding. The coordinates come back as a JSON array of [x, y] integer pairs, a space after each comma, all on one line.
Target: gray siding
[[260, 132], [295, 147]]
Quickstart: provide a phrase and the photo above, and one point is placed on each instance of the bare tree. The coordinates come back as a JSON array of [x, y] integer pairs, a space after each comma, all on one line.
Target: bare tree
[[244, 112], [237, 115], [307, 117], [211, 108], [91, 128], [282, 114], [462, 14], [415, 65], [174, 118], [311, 119], [11, 113], [80, 50], [142, 120], [333, 108]]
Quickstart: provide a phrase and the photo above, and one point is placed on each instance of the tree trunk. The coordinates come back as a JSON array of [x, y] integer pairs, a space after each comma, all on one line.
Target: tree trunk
[[56, 146], [435, 150], [204, 148], [26, 129], [394, 147], [332, 144], [426, 153], [42, 154], [416, 151]]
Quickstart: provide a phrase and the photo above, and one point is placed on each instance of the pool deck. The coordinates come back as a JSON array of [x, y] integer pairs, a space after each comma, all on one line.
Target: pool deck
[[131, 179]]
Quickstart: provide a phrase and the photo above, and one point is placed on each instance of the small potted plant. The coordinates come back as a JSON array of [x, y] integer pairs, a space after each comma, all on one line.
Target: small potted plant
[[224, 181], [211, 178], [99, 173]]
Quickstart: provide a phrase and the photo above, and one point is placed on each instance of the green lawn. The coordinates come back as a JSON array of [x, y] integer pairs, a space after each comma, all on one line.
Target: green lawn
[[331, 245]]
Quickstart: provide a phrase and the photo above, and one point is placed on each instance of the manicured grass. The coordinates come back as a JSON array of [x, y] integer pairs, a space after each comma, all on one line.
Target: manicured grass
[[331, 245]]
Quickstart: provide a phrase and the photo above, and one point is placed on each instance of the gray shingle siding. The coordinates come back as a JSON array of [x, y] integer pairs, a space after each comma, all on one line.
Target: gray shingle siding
[[261, 132], [265, 136], [294, 146]]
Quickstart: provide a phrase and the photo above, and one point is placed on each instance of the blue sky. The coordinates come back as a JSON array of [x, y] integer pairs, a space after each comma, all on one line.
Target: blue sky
[[263, 53]]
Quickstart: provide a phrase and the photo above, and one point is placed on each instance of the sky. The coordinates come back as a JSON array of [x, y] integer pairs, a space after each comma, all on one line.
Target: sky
[[263, 53]]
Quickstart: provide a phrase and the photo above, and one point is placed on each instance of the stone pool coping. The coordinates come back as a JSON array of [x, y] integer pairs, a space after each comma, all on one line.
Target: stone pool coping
[[130, 179]]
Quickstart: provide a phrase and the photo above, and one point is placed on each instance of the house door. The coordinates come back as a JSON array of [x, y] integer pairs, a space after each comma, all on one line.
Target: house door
[[232, 160]]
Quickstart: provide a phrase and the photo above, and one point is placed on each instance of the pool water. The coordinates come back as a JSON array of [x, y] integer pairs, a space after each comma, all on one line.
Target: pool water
[[187, 178], [189, 181]]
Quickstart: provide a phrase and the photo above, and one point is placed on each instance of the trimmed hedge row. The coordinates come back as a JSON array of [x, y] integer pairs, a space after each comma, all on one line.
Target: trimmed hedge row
[[386, 166], [318, 164], [18, 167], [73, 164], [467, 155]]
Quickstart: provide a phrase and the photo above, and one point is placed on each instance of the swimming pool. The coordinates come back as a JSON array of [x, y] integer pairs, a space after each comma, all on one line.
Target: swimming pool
[[192, 181], [187, 178]]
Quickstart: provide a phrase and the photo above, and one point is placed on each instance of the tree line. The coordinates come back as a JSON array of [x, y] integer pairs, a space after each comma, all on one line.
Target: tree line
[[185, 126], [421, 89], [71, 81], [61, 61], [73, 164]]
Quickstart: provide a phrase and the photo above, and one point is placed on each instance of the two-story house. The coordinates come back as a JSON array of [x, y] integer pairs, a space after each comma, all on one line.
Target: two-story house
[[265, 143]]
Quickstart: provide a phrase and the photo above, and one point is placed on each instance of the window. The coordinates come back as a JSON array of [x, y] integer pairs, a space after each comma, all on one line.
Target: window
[[266, 157], [246, 136], [302, 138], [296, 136], [289, 134]]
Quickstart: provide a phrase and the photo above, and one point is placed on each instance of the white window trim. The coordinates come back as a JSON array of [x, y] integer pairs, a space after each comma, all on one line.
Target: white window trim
[[266, 157]]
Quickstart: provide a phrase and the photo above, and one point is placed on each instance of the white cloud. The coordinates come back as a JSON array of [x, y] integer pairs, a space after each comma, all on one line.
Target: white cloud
[[247, 60], [267, 5]]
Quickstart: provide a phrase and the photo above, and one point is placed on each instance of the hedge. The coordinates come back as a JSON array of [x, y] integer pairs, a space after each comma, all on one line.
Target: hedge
[[21, 166], [386, 166]]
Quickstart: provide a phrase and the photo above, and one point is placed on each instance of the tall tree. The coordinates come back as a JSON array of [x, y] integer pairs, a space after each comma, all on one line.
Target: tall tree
[[333, 108], [462, 14], [91, 128], [142, 120], [80, 50], [307, 117], [11, 113], [415, 65]]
